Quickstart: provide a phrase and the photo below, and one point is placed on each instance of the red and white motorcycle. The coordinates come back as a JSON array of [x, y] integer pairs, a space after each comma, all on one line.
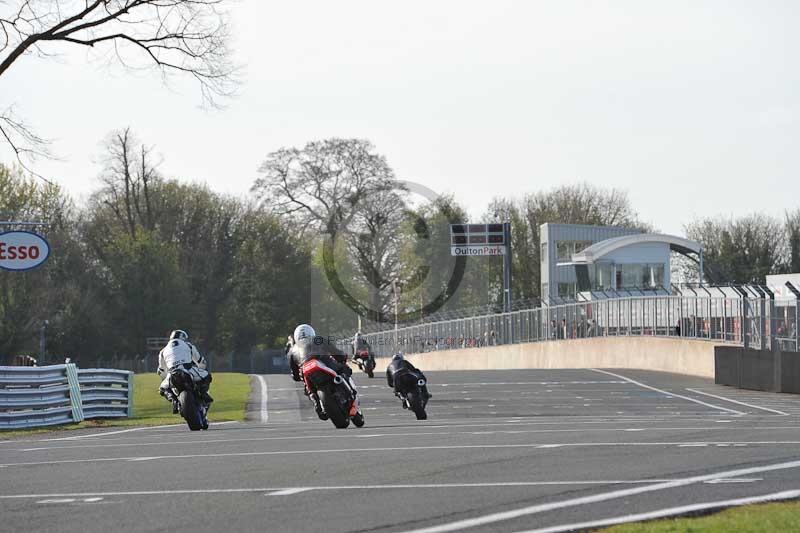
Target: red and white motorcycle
[[336, 395]]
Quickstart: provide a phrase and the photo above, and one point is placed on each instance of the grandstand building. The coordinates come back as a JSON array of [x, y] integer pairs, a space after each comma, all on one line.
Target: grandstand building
[[601, 262]]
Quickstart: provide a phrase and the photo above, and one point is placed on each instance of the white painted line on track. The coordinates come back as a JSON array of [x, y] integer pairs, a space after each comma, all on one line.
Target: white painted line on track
[[289, 492], [93, 435], [734, 480], [69, 500], [264, 396], [695, 400], [447, 422], [354, 435], [406, 449], [106, 433], [672, 511], [484, 384], [285, 491], [740, 403], [595, 498]]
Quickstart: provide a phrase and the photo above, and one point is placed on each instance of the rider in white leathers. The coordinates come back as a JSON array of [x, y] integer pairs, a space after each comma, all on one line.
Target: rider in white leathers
[[179, 351]]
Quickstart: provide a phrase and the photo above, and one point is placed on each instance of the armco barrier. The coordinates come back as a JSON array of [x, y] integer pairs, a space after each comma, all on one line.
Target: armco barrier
[[60, 394]]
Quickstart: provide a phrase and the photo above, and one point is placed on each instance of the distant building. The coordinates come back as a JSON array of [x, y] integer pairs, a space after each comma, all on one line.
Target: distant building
[[606, 261]]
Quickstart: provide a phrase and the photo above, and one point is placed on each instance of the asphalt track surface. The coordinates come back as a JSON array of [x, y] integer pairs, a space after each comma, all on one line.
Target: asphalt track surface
[[526, 450]]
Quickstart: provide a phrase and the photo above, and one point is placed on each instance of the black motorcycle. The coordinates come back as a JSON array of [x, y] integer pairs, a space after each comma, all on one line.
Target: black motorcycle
[[413, 394], [186, 398]]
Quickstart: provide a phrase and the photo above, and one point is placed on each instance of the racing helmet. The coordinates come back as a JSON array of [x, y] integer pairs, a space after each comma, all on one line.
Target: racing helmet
[[304, 332], [180, 335]]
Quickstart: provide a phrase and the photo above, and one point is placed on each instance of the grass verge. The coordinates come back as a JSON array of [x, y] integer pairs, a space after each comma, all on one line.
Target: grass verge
[[772, 517], [230, 392]]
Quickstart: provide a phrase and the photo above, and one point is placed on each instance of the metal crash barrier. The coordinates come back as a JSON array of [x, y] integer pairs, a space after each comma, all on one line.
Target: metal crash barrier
[[62, 394]]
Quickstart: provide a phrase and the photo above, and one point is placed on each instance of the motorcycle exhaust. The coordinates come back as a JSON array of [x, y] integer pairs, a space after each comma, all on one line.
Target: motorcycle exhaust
[[338, 380], [421, 383]]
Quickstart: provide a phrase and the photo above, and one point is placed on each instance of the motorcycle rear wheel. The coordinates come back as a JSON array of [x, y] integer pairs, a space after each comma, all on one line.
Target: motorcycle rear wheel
[[415, 401], [190, 411], [333, 409]]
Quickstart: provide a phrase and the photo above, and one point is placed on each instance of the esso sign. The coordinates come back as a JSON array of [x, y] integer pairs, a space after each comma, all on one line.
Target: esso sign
[[22, 250]]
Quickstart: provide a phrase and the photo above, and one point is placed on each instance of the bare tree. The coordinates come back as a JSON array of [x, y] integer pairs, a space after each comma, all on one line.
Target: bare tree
[[373, 241], [171, 36], [569, 204], [128, 175], [321, 185]]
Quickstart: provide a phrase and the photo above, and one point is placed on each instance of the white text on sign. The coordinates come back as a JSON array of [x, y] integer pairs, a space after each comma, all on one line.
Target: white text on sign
[[478, 250]]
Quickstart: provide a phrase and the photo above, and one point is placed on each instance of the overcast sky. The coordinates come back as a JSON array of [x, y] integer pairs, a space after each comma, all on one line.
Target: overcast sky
[[692, 107]]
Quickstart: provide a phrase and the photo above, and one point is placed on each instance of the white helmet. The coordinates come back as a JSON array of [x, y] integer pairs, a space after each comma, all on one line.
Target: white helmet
[[179, 334], [304, 332]]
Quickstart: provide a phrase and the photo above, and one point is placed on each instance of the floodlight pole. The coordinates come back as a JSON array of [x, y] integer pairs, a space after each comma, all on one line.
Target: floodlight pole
[[396, 298], [507, 298], [701, 267]]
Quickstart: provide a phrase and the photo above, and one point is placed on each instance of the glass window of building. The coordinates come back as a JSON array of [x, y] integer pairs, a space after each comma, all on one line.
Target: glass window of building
[[567, 289], [582, 245], [640, 275], [632, 275], [603, 273], [656, 274], [564, 250]]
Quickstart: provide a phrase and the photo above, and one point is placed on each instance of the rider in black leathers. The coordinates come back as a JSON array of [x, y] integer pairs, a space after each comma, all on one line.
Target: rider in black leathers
[[315, 347], [402, 376]]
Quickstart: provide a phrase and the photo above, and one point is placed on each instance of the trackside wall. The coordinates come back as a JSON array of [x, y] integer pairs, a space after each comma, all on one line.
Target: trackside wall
[[695, 358]]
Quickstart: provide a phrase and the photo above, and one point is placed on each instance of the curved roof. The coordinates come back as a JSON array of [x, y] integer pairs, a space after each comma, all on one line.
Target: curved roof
[[602, 248]]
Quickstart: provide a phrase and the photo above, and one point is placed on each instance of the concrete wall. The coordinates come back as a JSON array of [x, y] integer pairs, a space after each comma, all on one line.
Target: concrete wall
[[680, 356], [757, 370]]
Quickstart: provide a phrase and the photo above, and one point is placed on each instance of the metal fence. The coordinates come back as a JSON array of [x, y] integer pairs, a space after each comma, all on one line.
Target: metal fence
[[60, 394], [759, 323]]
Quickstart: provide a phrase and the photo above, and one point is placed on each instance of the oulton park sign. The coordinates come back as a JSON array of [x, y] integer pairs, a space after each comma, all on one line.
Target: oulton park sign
[[478, 250], [22, 250], [477, 239]]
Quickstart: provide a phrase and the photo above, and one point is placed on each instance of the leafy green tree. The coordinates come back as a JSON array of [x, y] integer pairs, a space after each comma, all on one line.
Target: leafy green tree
[[269, 285], [56, 290], [744, 249]]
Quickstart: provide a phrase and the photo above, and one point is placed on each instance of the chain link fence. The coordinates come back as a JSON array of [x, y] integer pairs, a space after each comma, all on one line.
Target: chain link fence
[[759, 323]]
